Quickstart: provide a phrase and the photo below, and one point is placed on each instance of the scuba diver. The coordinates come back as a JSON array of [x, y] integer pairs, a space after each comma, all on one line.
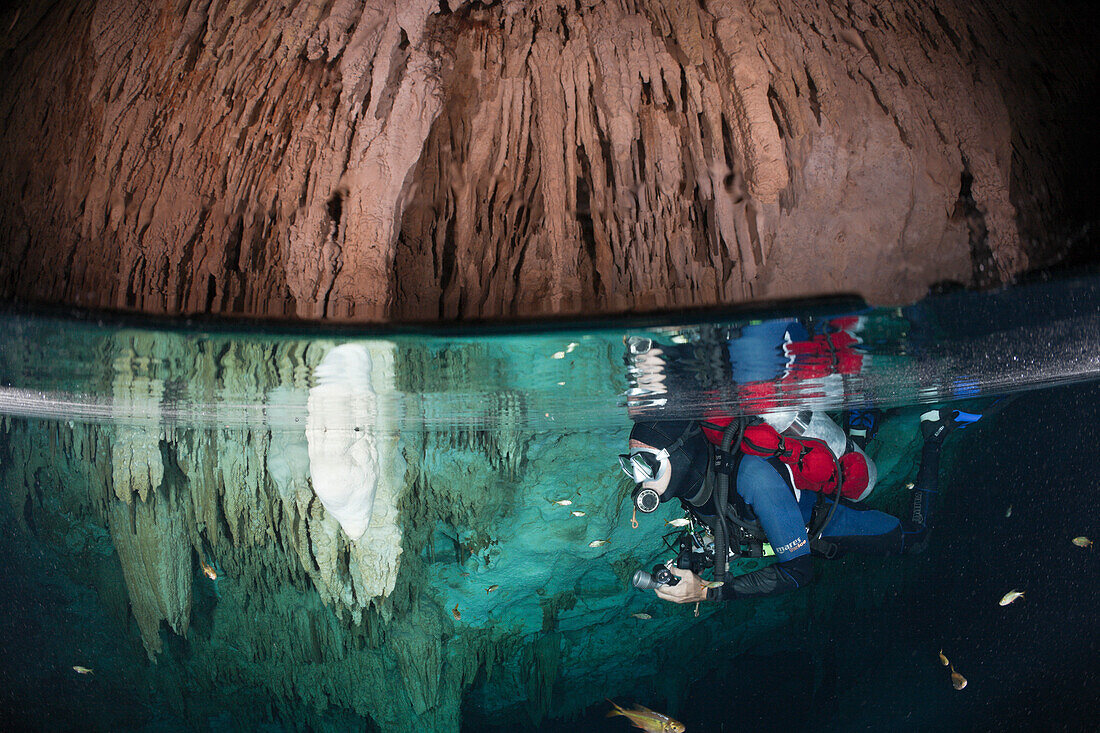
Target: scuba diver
[[791, 484]]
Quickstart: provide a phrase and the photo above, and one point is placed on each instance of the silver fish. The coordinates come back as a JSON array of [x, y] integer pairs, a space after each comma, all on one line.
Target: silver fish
[[648, 720]]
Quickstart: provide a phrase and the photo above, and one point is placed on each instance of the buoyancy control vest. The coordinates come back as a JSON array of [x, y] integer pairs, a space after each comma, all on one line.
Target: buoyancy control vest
[[810, 463]]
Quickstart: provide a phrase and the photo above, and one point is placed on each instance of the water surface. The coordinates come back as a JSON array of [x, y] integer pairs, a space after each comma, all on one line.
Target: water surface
[[378, 510]]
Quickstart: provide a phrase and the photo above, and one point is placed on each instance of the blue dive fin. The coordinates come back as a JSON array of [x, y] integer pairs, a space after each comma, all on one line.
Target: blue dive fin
[[965, 419]]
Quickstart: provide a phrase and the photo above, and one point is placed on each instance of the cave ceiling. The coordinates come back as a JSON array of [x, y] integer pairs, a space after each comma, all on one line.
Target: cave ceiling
[[424, 160]]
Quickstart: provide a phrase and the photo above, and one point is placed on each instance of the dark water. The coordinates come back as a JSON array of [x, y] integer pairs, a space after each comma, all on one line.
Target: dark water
[[1032, 665], [488, 437]]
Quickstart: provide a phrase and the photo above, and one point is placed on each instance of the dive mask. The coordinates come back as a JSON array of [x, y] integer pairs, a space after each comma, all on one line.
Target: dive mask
[[643, 465]]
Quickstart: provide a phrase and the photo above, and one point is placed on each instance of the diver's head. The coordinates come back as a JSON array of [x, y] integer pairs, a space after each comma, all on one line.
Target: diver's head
[[666, 460], [651, 470]]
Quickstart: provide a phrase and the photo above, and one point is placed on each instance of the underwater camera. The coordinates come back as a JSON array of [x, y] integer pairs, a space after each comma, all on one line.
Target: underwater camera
[[648, 581], [692, 557]]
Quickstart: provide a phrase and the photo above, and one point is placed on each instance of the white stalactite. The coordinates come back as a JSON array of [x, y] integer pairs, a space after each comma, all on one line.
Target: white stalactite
[[355, 469]]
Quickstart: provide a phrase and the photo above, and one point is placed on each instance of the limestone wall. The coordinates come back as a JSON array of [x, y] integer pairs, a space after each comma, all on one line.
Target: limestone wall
[[391, 160]]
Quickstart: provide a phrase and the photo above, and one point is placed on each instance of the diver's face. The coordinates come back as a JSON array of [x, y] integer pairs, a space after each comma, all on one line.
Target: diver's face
[[660, 483]]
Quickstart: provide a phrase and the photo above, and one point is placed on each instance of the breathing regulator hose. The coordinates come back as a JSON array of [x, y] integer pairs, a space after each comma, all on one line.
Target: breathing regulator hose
[[836, 498], [730, 436]]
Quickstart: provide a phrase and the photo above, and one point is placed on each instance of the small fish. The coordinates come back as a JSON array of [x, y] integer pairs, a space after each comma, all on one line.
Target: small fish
[[957, 680], [681, 522], [943, 659], [641, 616], [558, 355], [1011, 596], [561, 502], [208, 571], [1082, 541], [1008, 512], [572, 345], [455, 613], [577, 514], [597, 543], [648, 720], [712, 583], [492, 588], [82, 670], [909, 485]]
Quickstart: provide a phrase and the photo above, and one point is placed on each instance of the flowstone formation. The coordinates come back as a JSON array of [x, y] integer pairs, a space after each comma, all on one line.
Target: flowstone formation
[[490, 581], [446, 159]]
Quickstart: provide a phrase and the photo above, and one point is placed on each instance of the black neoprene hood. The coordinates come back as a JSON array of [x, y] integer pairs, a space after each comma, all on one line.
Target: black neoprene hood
[[689, 461]]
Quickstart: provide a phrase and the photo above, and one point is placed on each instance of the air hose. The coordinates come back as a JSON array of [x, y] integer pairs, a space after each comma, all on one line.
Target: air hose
[[722, 486], [836, 499]]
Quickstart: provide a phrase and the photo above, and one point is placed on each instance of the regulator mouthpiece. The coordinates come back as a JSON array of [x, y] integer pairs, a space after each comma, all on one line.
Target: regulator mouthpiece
[[646, 500]]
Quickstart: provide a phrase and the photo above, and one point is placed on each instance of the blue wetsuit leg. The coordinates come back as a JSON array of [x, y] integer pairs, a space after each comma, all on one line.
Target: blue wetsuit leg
[[854, 528], [757, 354]]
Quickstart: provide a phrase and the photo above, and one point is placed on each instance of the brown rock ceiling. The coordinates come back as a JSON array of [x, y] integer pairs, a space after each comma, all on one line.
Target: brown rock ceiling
[[431, 160]]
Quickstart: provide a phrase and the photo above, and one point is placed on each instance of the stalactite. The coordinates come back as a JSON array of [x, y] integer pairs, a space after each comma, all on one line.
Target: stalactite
[[152, 542], [135, 454], [418, 160], [543, 660]]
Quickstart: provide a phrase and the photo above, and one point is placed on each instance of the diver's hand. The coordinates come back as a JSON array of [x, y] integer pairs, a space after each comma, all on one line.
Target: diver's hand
[[690, 589]]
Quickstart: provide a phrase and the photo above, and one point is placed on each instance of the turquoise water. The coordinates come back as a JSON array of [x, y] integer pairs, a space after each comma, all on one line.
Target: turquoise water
[[297, 529]]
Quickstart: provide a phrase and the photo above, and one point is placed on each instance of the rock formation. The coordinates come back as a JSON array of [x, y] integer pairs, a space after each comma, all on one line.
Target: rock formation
[[439, 160], [243, 458], [210, 514]]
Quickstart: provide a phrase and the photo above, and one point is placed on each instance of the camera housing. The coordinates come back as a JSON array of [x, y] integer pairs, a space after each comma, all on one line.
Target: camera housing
[[648, 581]]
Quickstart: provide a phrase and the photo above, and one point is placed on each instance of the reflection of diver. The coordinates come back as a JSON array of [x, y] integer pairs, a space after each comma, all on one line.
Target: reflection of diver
[[749, 501], [755, 365]]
